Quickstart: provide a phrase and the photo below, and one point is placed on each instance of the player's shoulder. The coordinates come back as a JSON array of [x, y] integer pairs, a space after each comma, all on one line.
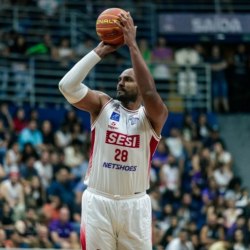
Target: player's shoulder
[[104, 98]]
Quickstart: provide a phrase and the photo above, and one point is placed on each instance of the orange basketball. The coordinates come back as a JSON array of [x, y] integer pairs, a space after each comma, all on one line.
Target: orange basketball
[[107, 28]]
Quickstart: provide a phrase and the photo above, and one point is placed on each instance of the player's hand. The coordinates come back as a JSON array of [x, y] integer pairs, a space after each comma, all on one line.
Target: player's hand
[[128, 28], [103, 49]]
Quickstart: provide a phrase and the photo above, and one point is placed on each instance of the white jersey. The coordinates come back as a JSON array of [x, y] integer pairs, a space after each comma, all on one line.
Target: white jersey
[[122, 145]]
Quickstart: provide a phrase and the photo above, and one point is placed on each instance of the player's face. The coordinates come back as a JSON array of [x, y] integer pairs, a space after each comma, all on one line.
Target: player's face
[[127, 90]]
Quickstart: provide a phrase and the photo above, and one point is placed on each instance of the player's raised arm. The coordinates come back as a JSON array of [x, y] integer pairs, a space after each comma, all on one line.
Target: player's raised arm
[[155, 108], [73, 88]]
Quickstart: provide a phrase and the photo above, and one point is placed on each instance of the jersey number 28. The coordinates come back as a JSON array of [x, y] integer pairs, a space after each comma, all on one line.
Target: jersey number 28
[[121, 155]]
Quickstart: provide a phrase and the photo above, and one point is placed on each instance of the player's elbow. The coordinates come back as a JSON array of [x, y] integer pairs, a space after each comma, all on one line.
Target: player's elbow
[[61, 84]]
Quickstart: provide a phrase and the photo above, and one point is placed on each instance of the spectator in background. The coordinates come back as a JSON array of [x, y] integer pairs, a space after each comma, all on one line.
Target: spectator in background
[[159, 158], [220, 155], [214, 137], [47, 134], [20, 120], [240, 224], [77, 133], [51, 208], [46, 47], [231, 213], [146, 52], [58, 161], [161, 53], [19, 46], [196, 172], [31, 134], [73, 154], [12, 191], [199, 48], [187, 56], [83, 48], [187, 77], [27, 169], [170, 175], [12, 156], [2, 238], [34, 115], [219, 82], [43, 237], [34, 193], [189, 134], [210, 192], [6, 217], [71, 119], [171, 232], [6, 117], [203, 128], [155, 197], [175, 145], [211, 232], [220, 245], [62, 233], [161, 56], [49, 7], [62, 136], [62, 187], [239, 87], [64, 53], [27, 151], [239, 242], [180, 243], [44, 168]]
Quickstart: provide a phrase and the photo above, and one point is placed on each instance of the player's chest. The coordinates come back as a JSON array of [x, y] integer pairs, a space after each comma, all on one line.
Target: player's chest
[[123, 122]]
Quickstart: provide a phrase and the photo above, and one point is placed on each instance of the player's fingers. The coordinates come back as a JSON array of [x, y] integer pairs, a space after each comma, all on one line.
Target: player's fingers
[[130, 18], [123, 19], [119, 23]]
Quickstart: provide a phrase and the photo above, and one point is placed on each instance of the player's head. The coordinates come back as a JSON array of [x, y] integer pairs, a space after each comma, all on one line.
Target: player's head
[[127, 89]]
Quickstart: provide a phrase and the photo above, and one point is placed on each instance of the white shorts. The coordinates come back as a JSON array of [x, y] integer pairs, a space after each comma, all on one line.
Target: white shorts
[[115, 222]]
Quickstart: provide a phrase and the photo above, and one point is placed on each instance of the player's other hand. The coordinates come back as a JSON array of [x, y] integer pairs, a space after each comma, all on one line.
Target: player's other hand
[[128, 28], [103, 49]]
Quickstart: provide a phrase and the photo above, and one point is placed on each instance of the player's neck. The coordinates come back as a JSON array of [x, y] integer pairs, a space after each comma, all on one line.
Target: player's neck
[[131, 105]]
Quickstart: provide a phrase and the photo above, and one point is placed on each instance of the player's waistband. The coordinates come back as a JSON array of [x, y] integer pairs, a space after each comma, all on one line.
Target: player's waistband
[[116, 196]]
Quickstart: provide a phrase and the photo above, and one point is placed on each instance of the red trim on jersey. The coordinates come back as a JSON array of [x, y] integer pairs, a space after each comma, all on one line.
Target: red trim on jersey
[[156, 135], [83, 238], [91, 152], [153, 145]]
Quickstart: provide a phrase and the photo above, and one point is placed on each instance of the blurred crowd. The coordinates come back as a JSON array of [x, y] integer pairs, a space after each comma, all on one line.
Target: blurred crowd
[[230, 66], [41, 179], [229, 63], [196, 198]]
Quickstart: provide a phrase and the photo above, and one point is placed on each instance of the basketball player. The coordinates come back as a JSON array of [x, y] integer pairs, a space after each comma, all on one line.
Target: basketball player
[[116, 211]]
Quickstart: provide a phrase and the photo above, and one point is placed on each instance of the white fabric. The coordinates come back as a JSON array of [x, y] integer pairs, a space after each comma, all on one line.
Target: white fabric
[[222, 177], [70, 85], [187, 56], [171, 177], [45, 172], [122, 144], [12, 191], [175, 146], [116, 223], [176, 244]]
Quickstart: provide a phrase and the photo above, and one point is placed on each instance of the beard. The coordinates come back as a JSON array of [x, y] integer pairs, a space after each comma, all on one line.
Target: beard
[[127, 98]]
